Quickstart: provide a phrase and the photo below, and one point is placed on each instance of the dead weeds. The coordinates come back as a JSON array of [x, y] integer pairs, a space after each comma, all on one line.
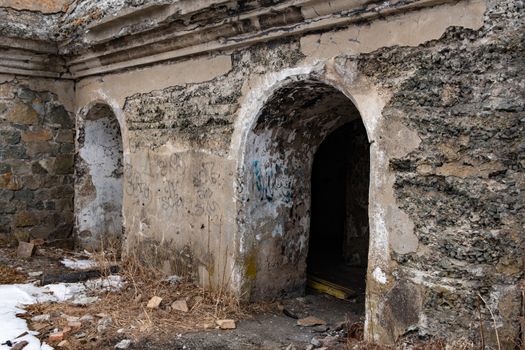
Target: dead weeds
[[9, 275], [128, 312]]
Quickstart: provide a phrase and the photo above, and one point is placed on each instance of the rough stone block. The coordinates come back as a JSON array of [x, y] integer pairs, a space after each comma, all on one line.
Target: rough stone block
[[65, 136], [6, 195], [5, 168], [41, 148], [59, 115], [36, 135], [5, 223], [26, 94], [20, 166], [24, 195], [25, 218], [67, 148], [21, 113], [8, 207], [37, 168], [13, 152], [22, 236], [64, 164], [25, 250], [10, 182], [9, 137], [226, 324], [47, 164]]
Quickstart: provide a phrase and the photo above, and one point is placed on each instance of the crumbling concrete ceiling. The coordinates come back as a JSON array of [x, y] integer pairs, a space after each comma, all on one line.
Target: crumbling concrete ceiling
[[307, 100]]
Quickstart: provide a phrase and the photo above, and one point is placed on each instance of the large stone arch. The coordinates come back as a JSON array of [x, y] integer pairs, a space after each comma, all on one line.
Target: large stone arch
[[390, 228]]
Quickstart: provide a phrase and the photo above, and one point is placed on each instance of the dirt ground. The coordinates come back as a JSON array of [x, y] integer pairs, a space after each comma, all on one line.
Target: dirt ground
[[274, 330], [270, 325]]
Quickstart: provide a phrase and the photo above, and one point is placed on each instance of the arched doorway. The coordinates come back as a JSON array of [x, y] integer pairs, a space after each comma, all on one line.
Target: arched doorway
[[99, 171], [339, 229], [275, 187]]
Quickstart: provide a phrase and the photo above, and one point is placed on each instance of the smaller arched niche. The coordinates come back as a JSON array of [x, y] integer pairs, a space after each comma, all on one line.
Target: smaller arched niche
[[99, 172]]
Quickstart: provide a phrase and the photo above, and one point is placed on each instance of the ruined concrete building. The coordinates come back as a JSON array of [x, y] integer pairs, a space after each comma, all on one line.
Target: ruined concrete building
[[248, 141]]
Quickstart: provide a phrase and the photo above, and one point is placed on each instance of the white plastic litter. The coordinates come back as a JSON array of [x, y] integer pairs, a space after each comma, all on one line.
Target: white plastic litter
[[81, 264]]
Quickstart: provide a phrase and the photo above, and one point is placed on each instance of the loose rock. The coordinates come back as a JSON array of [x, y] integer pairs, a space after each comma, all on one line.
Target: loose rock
[[226, 324], [154, 302], [55, 337], [25, 250], [123, 344], [180, 305], [310, 321]]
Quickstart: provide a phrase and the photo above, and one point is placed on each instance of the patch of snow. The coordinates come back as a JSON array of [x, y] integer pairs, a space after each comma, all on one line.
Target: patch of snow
[[13, 297], [81, 264]]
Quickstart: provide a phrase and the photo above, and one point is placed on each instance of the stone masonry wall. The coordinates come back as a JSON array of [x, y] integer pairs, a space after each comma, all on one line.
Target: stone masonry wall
[[36, 165], [464, 186]]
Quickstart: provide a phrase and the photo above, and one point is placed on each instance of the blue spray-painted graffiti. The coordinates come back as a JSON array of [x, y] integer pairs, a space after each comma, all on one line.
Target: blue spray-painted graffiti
[[268, 186]]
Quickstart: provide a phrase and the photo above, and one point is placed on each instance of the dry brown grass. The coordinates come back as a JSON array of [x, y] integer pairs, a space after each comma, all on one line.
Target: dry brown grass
[[9, 275], [128, 311]]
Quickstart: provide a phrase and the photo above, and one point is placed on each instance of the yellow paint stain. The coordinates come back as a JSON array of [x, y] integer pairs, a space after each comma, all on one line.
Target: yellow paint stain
[[251, 266]]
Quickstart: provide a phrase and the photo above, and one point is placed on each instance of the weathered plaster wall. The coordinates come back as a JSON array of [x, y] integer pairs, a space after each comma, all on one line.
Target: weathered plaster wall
[[443, 112], [36, 160], [99, 170]]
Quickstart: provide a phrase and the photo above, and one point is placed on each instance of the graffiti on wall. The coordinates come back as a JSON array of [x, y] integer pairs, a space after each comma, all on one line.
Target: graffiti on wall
[[173, 186]]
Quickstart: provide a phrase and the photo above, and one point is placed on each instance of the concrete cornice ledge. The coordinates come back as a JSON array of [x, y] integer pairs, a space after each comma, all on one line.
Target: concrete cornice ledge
[[167, 32]]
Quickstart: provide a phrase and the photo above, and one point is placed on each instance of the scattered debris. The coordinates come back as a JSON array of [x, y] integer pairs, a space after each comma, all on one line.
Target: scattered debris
[[323, 286], [154, 302], [180, 305], [56, 336], [37, 242], [75, 325], [315, 342], [87, 318], [226, 324], [72, 277], [20, 346], [320, 329], [40, 318], [123, 344], [310, 321], [63, 344], [174, 279], [81, 264], [104, 323], [290, 314]]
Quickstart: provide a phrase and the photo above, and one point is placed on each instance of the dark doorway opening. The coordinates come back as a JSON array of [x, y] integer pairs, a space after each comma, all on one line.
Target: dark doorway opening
[[339, 230]]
